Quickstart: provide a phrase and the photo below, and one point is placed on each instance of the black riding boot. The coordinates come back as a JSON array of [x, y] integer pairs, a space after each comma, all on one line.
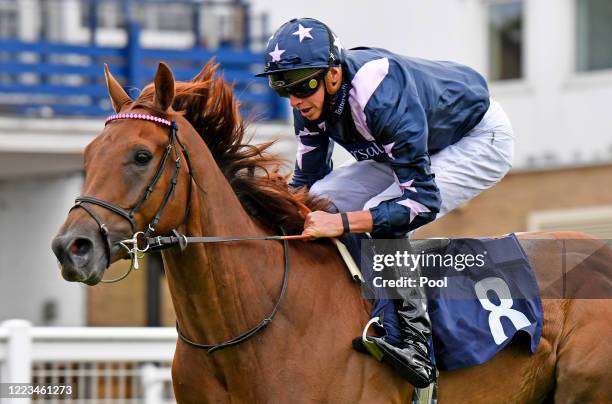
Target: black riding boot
[[411, 357]]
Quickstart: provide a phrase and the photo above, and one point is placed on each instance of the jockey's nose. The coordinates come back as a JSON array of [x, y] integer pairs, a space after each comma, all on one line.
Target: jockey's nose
[[294, 101]]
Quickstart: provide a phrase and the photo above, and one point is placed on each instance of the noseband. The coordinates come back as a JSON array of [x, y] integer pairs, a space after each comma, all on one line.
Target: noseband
[[177, 239], [83, 201]]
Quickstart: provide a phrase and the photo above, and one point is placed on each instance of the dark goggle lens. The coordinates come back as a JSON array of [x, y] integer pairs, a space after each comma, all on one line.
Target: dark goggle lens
[[301, 90]]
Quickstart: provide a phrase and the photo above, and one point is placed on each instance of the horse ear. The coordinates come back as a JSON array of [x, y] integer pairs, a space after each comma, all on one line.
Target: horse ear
[[116, 93], [164, 87]]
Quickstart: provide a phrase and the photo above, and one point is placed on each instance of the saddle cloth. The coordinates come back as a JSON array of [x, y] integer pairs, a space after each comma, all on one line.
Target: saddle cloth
[[477, 305]]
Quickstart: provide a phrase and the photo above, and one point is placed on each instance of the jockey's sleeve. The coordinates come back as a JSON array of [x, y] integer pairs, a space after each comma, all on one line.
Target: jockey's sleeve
[[397, 119], [313, 158]]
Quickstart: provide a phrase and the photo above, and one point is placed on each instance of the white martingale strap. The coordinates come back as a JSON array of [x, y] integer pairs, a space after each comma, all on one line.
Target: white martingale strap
[[144, 117], [349, 261]]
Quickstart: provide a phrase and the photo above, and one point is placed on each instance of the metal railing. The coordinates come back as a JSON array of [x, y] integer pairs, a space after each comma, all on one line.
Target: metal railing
[[211, 23], [102, 365], [62, 74]]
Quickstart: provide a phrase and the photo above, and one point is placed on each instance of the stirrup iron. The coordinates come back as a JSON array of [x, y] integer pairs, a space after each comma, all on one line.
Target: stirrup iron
[[370, 346]]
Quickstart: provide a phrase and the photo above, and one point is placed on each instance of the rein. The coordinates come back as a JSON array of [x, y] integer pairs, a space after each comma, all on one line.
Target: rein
[[161, 242], [170, 241]]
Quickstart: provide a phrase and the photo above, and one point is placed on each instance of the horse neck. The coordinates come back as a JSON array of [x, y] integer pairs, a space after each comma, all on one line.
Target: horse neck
[[221, 290]]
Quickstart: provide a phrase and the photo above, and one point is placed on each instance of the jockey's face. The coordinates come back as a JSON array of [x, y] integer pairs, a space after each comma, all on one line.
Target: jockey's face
[[310, 107]]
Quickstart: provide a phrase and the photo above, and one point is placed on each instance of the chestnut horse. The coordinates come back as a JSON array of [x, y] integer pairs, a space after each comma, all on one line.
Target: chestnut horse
[[221, 290]]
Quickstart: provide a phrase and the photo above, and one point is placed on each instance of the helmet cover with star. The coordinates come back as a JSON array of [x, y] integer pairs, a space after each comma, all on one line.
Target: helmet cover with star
[[302, 43]]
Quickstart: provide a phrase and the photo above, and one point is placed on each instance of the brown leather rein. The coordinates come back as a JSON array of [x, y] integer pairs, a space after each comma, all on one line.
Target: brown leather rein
[[176, 239]]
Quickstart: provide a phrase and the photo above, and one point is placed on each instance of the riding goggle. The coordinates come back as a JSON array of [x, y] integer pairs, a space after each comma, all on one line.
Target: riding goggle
[[303, 89]]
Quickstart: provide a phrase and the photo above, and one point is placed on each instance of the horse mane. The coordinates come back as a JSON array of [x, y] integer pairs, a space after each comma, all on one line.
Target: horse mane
[[207, 102]]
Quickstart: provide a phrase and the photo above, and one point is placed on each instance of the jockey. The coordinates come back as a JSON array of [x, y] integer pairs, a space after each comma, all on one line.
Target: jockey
[[426, 136]]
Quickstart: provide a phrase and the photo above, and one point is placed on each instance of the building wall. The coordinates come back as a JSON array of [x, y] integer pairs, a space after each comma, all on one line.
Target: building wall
[[119, 304], [29, 276], [560, 117], [506, 207]]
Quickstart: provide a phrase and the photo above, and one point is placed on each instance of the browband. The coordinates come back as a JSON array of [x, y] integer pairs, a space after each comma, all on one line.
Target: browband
[[144, 117]]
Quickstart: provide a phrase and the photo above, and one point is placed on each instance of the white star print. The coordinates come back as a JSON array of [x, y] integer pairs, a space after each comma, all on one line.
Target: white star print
[[407, 185], [388, 148], [276, 53], [303, 32], [302, 149], [414, 206], [322, 126], [337, 43], [306, 132]]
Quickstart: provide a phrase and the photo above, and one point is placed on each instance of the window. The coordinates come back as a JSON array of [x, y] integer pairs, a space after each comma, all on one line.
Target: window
[[506, 40], [596, 221], [165, 17], [107, 14], [150, 15], [593, 35], [8, 19]]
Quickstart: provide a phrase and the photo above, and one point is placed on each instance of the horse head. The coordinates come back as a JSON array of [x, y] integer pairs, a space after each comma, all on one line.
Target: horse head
[[136, 182]]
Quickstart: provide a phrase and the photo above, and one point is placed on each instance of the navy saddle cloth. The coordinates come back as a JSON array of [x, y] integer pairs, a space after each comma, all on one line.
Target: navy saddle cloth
[[477, 305]]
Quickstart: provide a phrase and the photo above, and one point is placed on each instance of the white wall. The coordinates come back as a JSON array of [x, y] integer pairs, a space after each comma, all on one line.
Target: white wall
[[555, 112], [417, 27], [31, 211]]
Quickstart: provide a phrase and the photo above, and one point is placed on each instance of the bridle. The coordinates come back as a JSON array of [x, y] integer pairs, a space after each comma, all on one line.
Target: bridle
[[161, 242], [82, 201]]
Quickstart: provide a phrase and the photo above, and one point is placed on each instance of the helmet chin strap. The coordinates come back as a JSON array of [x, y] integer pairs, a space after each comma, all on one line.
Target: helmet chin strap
[[335, 100], [328, 104], [330, 96]]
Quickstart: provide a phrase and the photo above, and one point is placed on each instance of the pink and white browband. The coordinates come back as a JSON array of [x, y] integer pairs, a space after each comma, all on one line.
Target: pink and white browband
[[144, 117]]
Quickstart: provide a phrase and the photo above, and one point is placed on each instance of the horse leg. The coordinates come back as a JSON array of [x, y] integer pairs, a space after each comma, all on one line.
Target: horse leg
[[584, 367]]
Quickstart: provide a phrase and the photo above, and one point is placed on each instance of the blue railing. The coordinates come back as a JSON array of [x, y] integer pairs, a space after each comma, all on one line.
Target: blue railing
[[61, 79]]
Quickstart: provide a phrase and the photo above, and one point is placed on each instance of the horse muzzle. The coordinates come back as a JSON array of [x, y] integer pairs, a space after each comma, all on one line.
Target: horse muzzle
[[79, 258]]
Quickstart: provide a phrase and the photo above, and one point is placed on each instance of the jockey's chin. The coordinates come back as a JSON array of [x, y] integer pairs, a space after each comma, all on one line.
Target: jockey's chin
[[310, 114]]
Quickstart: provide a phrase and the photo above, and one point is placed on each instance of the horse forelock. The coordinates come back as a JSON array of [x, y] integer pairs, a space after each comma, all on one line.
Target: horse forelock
[[208, 104]]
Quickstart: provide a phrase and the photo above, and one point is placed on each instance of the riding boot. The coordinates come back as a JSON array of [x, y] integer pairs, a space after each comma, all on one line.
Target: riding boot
[[411, 357]]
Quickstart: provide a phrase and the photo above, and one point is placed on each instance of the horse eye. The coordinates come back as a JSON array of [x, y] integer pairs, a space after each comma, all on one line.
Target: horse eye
[[142, 157]]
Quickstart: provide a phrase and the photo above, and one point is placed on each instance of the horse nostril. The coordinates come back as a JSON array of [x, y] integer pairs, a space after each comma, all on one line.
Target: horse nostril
[[80, 247]]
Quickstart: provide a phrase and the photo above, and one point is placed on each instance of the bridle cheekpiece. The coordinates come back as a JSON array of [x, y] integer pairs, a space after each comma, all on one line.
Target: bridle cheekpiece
[[131, 245], [159, 242]]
